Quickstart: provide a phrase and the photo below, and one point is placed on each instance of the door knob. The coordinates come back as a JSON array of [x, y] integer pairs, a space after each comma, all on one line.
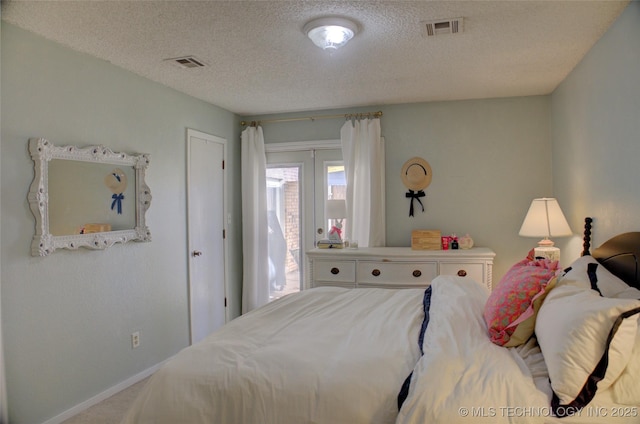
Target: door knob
[[196, 253]]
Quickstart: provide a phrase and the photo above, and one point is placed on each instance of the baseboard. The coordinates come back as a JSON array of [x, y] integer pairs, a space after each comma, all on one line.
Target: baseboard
[[81, 407]]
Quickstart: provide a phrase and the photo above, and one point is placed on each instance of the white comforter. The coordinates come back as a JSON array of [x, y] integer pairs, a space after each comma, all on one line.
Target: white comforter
[[340, 356], [326, 356], [463, 378]]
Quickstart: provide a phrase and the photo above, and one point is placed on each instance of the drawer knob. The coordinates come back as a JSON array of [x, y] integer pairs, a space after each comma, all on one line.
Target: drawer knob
[[462, 273], [335, 270], [375, 272], [417, 273]]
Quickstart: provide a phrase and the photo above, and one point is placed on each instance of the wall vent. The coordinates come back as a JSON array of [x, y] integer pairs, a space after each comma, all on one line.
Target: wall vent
[[441, 26], [186, 62]]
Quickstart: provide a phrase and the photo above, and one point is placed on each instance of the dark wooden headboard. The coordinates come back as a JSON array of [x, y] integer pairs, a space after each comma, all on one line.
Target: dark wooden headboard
[[620, 254]]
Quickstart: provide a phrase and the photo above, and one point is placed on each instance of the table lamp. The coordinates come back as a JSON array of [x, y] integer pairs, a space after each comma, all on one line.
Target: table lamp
[[545, 219], [336, 209]]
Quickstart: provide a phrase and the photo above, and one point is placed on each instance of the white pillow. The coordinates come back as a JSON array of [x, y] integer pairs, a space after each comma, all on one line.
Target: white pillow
[[628, 293], [626, 389], [577, 274], [573, 327]]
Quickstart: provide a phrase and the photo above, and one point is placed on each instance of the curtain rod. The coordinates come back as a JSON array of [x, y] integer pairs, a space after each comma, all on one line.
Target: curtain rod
[[313, 118]]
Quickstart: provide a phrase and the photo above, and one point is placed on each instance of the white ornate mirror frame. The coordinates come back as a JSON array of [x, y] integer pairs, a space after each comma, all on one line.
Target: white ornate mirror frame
[[42, 152]]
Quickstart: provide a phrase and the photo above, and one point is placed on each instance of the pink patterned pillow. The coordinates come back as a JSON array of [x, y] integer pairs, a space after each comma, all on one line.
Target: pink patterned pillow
[[510, 311]]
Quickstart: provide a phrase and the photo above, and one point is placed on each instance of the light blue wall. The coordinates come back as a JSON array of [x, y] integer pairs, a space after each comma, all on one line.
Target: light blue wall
[[596, 134], [3, 398], [489, 159], [67, 318]]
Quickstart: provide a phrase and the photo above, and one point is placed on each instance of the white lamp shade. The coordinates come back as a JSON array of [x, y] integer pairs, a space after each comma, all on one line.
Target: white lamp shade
[[545, 219], [336, 209]]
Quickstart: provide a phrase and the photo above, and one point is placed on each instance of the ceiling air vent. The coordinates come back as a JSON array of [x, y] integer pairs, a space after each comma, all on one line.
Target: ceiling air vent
[[186, 62], [441, 26]]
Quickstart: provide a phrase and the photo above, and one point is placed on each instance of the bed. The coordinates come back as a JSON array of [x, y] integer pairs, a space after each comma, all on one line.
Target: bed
[[407, 356]]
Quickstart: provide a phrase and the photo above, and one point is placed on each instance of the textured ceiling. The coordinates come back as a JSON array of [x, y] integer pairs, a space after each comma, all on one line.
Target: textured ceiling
[[259, 61]]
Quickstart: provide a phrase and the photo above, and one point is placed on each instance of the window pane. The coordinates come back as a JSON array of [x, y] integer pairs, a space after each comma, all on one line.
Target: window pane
[[284, 220], [336, 189]]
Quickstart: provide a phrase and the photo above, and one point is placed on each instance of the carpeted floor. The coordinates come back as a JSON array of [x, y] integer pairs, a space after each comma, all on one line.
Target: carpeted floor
[[111, 410]]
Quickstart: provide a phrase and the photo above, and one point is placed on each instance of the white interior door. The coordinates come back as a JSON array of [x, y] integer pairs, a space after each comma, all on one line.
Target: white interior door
[[206, 230]]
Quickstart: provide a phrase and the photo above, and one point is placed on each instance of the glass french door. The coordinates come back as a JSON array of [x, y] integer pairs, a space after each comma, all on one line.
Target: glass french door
[[298, 183]]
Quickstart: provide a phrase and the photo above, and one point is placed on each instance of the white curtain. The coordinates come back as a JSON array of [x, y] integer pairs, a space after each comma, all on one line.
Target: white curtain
[[255, 284], [363, 154]]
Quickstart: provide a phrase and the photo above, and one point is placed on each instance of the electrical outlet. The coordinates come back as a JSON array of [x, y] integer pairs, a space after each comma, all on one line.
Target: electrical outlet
[[135, 339]]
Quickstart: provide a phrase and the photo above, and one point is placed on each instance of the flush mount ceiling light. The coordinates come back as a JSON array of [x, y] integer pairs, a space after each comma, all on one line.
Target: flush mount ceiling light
[[331, 32]]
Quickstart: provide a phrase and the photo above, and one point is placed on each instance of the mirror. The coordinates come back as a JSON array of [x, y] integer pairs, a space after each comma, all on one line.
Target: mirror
[[87, 197]]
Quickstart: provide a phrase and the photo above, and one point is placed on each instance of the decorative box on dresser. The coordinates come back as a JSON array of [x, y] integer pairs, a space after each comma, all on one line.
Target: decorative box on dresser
[[396, 267]]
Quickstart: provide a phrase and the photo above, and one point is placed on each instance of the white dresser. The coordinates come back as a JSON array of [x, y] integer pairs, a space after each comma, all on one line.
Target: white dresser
[[395, 267]]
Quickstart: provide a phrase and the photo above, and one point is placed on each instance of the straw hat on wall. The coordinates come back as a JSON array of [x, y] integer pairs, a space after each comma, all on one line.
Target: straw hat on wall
[[416, 174]]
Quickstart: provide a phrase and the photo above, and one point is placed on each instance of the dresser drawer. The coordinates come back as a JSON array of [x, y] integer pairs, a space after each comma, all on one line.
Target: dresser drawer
[[395, 267], [468, 270], [403, 273], [334, 271]]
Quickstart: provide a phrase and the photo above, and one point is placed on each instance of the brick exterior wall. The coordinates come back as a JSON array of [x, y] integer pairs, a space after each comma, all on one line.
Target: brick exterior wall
[[291, 223]]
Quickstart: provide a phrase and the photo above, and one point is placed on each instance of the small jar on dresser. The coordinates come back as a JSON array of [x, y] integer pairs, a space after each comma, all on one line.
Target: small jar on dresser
[[395, 267]]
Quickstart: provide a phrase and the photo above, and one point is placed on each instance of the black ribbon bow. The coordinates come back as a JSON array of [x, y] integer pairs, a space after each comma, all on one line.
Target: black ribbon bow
[[415, 195]]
